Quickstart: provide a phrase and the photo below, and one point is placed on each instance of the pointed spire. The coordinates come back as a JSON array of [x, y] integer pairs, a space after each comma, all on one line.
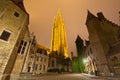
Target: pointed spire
[[100, 15], [58, 40], [90, 16], [59, 12], [58, 18], [79, 38]]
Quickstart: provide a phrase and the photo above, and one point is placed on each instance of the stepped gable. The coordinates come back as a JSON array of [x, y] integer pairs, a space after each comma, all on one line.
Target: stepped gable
[[101, 17], [116, 25]]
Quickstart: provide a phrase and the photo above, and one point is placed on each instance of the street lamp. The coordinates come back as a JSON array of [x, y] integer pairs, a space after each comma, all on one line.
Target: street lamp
[[85, 60]]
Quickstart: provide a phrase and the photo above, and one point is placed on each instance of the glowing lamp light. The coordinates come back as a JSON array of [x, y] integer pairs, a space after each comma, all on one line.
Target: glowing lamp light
[[85, 60]]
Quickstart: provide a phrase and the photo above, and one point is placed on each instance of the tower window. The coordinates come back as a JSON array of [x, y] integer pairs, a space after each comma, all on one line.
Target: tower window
[[16, 14], [5, 35]]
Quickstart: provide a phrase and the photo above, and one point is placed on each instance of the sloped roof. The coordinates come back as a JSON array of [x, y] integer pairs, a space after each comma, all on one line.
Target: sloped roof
[[90, 16], [40, 46]]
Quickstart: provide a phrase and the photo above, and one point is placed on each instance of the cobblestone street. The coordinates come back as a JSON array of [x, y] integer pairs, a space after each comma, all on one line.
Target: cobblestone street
[[64, 76]]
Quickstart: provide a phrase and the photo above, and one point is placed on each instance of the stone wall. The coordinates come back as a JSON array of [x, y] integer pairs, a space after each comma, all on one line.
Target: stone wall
[[13, 20]]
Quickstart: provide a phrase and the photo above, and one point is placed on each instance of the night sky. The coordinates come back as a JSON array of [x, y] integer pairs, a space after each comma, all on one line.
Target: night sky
[[74, 13]]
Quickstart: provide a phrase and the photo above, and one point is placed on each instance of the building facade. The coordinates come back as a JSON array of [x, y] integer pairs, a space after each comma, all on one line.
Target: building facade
[[22, 52], [30, 57], [90, 62], [41, 60], [36, 60], [100, 45], [14, 22]]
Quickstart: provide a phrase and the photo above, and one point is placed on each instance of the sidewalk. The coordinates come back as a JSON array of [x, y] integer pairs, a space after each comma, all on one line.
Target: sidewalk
[[102, 77]]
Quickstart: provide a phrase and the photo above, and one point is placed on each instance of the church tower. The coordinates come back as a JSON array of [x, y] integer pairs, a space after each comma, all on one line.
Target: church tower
[[58, 39]]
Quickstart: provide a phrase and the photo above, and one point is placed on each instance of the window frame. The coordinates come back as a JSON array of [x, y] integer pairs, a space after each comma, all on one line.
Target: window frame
[[8, 37], [16, 14], [22, 47]]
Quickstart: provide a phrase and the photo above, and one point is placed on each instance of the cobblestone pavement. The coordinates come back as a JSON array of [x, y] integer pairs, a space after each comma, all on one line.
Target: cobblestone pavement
[[93, 77], [66, 76]]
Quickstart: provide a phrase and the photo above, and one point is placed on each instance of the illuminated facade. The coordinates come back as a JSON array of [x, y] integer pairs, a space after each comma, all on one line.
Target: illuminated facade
[[58, 40], [90, 66]]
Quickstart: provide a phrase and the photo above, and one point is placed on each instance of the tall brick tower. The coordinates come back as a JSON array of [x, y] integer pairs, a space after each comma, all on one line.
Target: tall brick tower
[[58, 40]]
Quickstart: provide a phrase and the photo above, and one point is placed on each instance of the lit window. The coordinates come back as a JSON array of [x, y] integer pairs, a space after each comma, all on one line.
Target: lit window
[[5, 35]]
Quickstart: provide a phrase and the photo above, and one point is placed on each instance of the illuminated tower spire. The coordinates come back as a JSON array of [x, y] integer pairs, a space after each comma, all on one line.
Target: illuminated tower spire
[[58, 40]]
